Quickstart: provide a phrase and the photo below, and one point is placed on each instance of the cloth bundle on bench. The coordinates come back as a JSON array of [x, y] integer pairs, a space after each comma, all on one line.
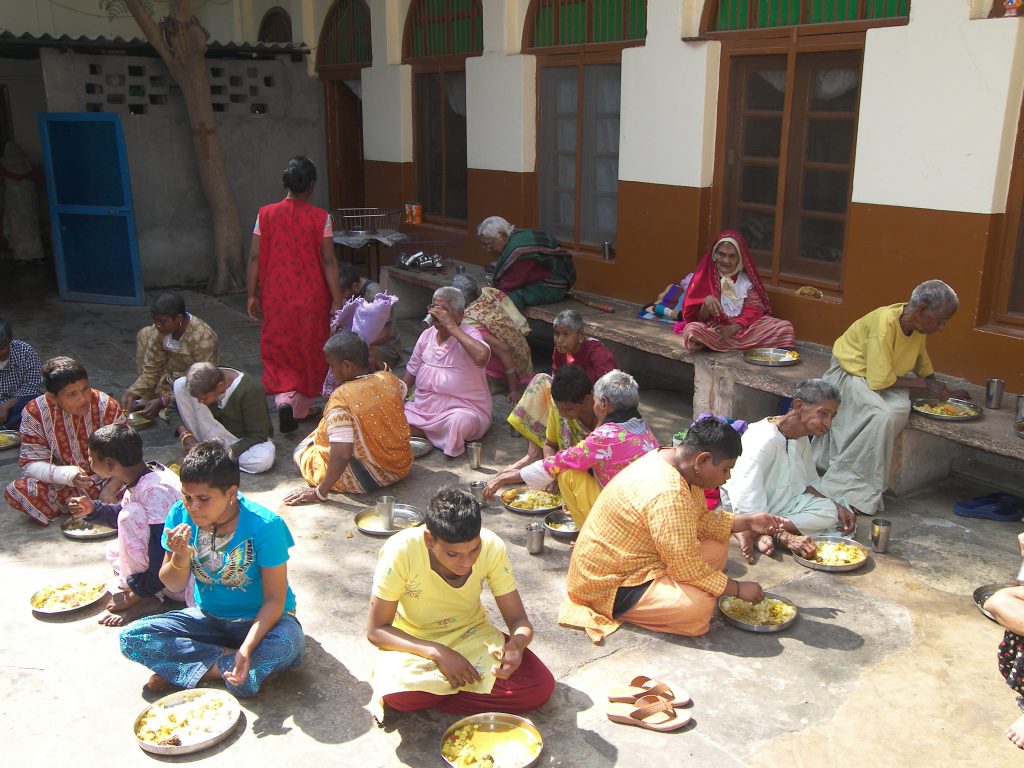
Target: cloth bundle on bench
[[669, 305]]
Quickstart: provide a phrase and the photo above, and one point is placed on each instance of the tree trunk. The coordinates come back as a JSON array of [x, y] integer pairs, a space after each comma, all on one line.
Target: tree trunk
[[181, 42]]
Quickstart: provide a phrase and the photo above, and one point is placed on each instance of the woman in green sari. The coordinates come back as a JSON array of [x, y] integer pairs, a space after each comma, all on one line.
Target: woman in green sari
[[532, 268]]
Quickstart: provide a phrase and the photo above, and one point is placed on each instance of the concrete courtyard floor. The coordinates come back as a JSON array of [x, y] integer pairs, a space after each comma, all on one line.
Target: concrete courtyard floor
[[891, 665]]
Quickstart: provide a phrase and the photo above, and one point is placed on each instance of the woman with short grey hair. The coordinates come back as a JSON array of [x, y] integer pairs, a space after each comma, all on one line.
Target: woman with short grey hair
[[572, 347], [531, 267], [776, 474], [582, 470], [452, 404]]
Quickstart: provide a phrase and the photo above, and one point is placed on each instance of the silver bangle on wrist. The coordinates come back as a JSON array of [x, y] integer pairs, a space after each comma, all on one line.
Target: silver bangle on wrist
[[316, 490]]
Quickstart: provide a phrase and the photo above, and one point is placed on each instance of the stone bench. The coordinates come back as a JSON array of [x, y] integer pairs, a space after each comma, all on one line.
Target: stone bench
[[724, 383]]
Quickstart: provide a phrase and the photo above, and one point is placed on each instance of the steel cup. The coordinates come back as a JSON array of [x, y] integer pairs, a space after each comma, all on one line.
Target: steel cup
[[535, 538], [1020, 408], [994, 393], [475, 451], [477, 489], [386, 511], [880, 530]]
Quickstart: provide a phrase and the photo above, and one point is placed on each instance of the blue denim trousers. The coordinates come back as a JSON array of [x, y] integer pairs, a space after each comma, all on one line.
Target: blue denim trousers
[[181, 646]]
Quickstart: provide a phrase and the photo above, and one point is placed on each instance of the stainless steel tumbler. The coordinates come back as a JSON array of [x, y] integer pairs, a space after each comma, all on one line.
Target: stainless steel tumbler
[[535, 538], [994, 393], [474, 450], [880, 530]]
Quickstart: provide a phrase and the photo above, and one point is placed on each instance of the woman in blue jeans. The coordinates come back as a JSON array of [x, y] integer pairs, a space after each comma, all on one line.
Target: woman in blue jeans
[[243, 627]]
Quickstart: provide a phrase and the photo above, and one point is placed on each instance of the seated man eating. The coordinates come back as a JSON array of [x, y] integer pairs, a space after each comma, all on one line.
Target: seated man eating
[[212, 403], [776, 474], [165, 350], [651, 554], [362, 442], [55, 429], [621, 439], [436, 647]]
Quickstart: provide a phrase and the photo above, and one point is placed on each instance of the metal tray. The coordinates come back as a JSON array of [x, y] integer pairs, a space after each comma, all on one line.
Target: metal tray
[[814, 566], [541, 511], [772, 357], [232, 713], [420, 447], [559, 517], [975, 410], [11, 439], [760, 627], [53, 611], [497, 722], [80, 529], [981, 594], [405, 516], [137, 421]]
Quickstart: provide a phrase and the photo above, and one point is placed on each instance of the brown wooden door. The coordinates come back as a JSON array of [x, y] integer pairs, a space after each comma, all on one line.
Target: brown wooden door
[[344, 145]]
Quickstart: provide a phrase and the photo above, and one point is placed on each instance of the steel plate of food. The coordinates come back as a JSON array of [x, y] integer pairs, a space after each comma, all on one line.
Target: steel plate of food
[[528, 501], [187, 721], [773, 614], [492, 740], [835, 554]]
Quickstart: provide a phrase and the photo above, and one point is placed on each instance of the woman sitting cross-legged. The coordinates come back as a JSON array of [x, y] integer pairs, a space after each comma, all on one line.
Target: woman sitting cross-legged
[[437, 649], [243, 627], [452, 404], [582, 470]]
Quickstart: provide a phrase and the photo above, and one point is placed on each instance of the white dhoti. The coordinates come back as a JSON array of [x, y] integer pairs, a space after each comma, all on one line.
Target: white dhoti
[[856, 454], [199, 420]]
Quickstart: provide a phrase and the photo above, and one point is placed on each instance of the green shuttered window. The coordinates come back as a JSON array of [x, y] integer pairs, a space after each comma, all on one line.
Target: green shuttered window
[[733, 15], [345, 36]]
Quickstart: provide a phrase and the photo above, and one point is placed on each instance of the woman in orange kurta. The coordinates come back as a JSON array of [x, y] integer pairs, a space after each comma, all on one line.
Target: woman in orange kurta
[[293, 278]]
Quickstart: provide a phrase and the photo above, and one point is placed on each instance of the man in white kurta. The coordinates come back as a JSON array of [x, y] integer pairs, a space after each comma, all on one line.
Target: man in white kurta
[[776, 473]]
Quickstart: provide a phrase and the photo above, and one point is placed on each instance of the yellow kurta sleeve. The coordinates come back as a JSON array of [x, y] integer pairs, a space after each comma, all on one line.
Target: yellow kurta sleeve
[[500, 579]]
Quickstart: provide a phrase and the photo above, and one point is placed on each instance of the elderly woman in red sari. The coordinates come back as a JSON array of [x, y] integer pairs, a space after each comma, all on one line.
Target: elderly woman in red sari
[[293, 279], [726, 306]]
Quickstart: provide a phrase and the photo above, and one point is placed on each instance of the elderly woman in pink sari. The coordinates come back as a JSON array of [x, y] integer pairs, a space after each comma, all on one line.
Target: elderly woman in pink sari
[[582, 470], [452, 404]]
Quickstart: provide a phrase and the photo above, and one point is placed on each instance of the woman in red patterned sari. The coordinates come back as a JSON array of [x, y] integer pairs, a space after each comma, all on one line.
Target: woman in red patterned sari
[[55, 429], [726, 306], [293, 270]]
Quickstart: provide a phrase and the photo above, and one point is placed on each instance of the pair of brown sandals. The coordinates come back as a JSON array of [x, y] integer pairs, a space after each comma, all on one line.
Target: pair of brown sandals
[[648, 703]]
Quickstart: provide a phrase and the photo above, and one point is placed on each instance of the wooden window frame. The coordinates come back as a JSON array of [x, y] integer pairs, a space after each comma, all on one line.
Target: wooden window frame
[[710, 12], [347, 70], [579, 55], [791, 46], [1012, 234], [477, 11]]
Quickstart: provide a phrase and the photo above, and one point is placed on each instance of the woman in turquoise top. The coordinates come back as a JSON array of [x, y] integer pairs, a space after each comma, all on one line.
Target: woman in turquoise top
[[243, 627]]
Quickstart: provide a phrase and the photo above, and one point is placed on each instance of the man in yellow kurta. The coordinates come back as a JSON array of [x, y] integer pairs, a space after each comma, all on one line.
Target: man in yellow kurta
[[871, 364], [362, 442]]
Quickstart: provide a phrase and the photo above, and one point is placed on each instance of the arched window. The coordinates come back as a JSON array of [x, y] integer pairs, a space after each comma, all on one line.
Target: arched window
[[578, 44], [439, 36], [345, 36], [784, 158], [731, 15], [276, 26], [344, 48], [581, 22]]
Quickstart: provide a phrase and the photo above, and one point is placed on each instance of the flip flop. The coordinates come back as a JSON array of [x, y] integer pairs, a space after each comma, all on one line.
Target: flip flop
[[978, 502], [641, 686], [1003, 510], [651, 713]]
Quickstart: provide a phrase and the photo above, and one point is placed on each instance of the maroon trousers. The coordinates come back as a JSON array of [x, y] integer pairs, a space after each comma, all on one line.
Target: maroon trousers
[[529, 688]]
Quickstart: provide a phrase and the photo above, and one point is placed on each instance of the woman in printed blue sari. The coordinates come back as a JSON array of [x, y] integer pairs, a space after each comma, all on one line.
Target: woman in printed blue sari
[[243, 627]]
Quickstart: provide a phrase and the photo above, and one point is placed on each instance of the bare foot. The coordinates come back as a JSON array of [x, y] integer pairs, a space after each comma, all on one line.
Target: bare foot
[[122, 600], [746, 541], [140, 607], [1015, 732], [766, 545], [157, 684]]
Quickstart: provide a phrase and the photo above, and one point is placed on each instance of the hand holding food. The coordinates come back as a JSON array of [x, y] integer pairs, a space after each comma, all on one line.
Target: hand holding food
[[179, 540], [240, 672], [765, 524], [81, 506], [750, 591], [82, 480], [509, 658], [847, 519]]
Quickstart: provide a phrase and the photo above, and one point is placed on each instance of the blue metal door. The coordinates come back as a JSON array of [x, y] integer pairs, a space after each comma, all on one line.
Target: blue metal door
[[94, 244]]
